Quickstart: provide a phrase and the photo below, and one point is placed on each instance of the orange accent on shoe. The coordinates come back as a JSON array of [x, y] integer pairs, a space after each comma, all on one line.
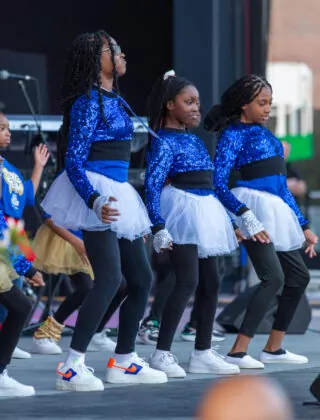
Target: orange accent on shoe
[[111, 362]]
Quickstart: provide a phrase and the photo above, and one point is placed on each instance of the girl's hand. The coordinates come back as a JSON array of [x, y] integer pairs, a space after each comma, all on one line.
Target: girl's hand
[[78, 245], [36, 280], [311, 240], [240, 236], [262, 237], [41, 155]]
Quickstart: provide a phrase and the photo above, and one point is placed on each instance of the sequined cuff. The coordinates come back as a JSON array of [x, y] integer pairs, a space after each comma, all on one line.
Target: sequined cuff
[[305, 227], [251, 223], [162, 240], [21, 265]]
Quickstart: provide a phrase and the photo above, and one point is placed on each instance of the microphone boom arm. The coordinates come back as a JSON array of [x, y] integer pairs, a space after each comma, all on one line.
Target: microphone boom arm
[[40, 133]]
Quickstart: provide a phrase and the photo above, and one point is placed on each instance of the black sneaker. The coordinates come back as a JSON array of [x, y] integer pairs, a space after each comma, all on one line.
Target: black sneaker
[[189, 334], [148, 332]]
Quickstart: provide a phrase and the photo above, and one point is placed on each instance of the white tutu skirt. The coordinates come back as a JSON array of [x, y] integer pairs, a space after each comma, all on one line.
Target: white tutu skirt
[[69, 210], [198, 220], [279, 221]]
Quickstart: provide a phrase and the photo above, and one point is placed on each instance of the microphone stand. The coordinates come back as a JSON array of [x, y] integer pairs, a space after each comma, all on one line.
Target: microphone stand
[[50, 292], [40, 133]]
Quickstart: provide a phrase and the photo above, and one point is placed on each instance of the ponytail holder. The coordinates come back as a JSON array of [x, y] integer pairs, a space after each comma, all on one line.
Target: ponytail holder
[[170, 73]]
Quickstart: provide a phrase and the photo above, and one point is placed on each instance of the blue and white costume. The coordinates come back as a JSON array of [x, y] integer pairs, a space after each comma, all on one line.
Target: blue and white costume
[[187, 207], [254, 151], [97, 164]]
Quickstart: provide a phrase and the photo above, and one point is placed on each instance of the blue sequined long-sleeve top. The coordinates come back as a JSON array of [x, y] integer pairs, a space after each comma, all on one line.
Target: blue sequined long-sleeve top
[[239, 145], [174, 152], [87, 125]]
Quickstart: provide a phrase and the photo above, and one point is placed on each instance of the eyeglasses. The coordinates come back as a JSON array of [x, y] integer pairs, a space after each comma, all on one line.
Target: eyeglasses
[[116, 49]]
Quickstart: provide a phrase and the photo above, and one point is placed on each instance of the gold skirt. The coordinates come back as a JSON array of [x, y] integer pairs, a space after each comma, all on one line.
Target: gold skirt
[[55, 255], [7, 274]]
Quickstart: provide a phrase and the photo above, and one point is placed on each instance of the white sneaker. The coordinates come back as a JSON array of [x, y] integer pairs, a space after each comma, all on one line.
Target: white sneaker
[[9, 387], [133, 371], [20, 354], [284, 357], [45, 346], [211, 362], [101, 342], [245, 362], [168, 363], [77, 377]]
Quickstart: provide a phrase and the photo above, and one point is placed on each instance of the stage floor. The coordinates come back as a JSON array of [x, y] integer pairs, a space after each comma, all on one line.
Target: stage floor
[[175, 400]]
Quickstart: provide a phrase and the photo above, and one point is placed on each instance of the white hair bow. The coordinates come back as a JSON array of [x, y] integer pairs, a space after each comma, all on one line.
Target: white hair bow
[[170, 73]]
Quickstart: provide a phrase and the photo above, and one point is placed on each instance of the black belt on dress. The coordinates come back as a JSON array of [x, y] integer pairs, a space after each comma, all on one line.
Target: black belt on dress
[[266, 167], [193, 180], [110, 150]]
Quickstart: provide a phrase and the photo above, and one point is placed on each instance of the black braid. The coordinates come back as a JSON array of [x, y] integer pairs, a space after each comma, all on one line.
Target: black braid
[[82, 72], [241, 93], [162, 92]]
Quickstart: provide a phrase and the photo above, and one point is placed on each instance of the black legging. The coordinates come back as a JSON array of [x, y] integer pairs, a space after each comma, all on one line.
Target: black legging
[[165, 281], [189, 271], [83, 283], [274, 269], [164, 285], [19, 308], [109, 258]]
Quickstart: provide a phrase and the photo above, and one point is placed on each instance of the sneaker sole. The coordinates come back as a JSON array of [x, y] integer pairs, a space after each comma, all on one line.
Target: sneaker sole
[[146, 341], [188, 338], [218, 338], [291, 362], [136, 380], [11, 393], [67, 386], [21, 357], [47, 353], [213, 371]]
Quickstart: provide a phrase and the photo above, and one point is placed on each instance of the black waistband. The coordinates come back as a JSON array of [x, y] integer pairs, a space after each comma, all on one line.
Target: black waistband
[[266, 167], [110, 150], [193, 180]]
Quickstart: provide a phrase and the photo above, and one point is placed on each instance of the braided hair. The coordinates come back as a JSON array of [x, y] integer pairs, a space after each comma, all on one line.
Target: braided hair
[[163, 91], [241, 93], [82, 72]]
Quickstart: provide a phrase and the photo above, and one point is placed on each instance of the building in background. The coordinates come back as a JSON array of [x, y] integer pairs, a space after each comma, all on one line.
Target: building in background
[[295, 38]]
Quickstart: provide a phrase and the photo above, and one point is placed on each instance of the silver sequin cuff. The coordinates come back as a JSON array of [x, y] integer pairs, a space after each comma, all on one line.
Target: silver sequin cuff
[[98, 204], [251, 223], [161, 240]]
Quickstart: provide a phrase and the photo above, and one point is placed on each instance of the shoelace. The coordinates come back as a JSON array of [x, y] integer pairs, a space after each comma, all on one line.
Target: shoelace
[[136, 359], [168, 358], [215, 354], [82, 368]]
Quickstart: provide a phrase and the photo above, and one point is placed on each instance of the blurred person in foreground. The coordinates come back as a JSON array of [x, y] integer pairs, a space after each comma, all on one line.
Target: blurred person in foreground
[[245, 398]]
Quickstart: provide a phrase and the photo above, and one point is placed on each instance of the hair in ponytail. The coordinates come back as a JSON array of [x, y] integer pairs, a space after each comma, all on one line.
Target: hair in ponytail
[[165, 89]]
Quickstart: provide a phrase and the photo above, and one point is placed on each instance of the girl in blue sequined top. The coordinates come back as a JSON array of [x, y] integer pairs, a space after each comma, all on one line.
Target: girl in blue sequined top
[[187, 219], [265, 210], [93, 194]]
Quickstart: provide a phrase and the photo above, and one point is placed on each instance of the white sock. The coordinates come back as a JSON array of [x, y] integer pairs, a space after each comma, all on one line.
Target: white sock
[[198, 352], [121, 358], [160, 352], [74, 355]]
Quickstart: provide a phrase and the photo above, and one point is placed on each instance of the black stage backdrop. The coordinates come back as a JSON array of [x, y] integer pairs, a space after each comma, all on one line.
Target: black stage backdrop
[[143, 28]]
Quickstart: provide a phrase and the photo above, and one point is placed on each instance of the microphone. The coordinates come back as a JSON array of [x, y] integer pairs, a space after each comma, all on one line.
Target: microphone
[[5, 75]]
